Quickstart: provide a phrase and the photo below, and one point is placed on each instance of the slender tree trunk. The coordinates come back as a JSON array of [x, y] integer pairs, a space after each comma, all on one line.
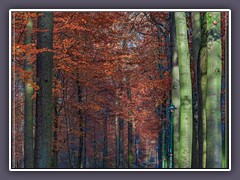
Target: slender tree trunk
[[130, 145], [80, 145], [28, 107], [159, 149], [55, 135], [202, 84], [121, 143], [44, 95], [175, 91], [137, 141], [84, 144], [130, 129], [164, 153], [105, 140], [226, 100], [94, 148], [117, 142], [213, 94], [196, 44], [185, 144]]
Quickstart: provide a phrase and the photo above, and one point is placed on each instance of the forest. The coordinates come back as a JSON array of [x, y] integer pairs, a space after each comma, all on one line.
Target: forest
[[119, 90]]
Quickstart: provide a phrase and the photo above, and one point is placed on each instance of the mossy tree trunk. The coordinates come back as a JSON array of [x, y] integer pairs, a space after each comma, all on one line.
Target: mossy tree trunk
[[213, 91], [185, 144], [175, 91]]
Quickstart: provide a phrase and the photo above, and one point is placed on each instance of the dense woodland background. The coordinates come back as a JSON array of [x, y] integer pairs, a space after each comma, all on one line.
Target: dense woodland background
[[97, 89]]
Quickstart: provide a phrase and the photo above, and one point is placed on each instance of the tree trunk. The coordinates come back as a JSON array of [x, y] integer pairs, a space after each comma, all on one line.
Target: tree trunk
[[117, 142], [130, 128], [213, 93], [105, 140], [202, 84], [80, 145], [196, 44], [28, 107], [44, 95], [175, 91], [185, 144], [121, 143], [130, 145], [226, 101], [55, 135], [159, 149]]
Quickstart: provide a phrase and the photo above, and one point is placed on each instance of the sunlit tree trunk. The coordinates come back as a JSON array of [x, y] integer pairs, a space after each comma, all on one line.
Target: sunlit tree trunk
[[175, 91], [28, 107], [185, 144], [196, 45], [213, 91], [44, 95]]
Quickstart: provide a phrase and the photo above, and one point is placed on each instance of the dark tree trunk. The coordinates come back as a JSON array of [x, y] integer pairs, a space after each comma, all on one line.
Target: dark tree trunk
[[44, 95], [121, 143], [80, 145], [105, 140], [196, 45]]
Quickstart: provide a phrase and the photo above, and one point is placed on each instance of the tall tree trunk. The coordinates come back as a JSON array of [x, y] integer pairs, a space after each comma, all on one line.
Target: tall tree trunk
[[226, 100], [175, 91], [202, 84], [28, 107], [213, 93], [44, 95], [185, 144], [196, 44]]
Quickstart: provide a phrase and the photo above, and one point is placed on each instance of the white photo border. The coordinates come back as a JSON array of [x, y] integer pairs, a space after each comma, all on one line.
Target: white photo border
[[117, 10]]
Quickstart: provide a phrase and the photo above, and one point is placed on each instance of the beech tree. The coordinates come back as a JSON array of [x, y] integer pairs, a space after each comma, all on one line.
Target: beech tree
[[185, 144], [28, 107], [43, 139], [213, 90]]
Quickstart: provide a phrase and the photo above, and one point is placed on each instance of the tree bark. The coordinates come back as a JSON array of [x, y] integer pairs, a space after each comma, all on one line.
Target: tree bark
[[44, 95], [28, 108], [175, 91], [196, 45], [213, 93], [202, 98], [185, 144]]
